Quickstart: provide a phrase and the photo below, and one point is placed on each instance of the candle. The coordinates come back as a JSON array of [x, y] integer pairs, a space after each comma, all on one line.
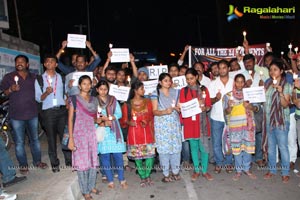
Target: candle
[[50, 80], [16, 78], [295, 76], [134, 117], [237, 50], [128, 79], [250, 72], [244, 34], [203, 95], [173, 103], [110, 45], [110, 118], [231, 97], [282, 53], [268, 44], [99, 110], [296, 49], [274, 81], [290, 47], [261, 73]]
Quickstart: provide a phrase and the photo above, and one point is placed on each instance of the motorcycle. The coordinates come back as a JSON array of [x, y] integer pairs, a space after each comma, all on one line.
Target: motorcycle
[[5, 131]]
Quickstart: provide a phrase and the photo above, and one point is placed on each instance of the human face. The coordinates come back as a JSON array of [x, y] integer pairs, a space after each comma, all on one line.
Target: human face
[[191, 79], [215, 70], [121, 77], [110, 76], [140, 91], [275, 72], [298, 62], [80, 63], [74, 56], [182, 71], [142, 76], [234, 66], [166, 82], [199, 68], [223, 70], [85, 86], [173, 71], [268, 61], [50, 64], [249, 64], [102, 91], [239, 83], [21, 64]]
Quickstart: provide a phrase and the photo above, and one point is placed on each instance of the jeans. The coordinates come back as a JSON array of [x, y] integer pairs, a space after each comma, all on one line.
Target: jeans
[[185, 152], [19, 127], [55, 121], [167, 160], [292, 139], [216, 135], [258, 147], [242, 162], [109, 169], [280, 138], [87, 180], [6, 164]]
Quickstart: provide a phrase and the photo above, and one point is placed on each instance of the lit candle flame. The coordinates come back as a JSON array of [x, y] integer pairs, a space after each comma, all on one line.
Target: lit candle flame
[[16, 78], [290, 46], [274, 81], [295, 76], [268, 44], [296, 49], [110, 45], [261, 73]]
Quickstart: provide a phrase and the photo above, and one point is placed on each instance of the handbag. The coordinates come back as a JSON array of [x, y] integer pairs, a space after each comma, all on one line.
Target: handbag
[[65, 140], [100, 133]]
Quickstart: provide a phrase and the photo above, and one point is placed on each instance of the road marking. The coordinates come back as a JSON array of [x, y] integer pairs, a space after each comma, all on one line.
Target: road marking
[[189, 186]]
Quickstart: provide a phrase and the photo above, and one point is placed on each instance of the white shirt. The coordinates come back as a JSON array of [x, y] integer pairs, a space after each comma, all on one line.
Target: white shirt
[[214, 87], [205, 81]]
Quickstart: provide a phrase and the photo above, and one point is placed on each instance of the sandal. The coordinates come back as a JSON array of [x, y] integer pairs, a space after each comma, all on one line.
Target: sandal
[[167, 179], [237, 176], [250, 175], [195, 176], [143, 183], [124, 185], [128, 168], [176, 177], [149, 181], [87, 197], [111, 185], [96, 192]]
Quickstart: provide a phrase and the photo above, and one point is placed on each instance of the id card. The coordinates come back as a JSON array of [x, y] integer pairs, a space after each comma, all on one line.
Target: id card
[[194, 118], [54, 102]]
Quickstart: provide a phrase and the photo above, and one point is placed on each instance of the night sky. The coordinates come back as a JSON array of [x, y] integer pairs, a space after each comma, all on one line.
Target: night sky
[[154, 26]]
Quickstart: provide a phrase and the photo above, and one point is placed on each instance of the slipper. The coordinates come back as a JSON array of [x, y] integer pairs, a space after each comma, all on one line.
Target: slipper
[[166, 179], [176, 177], [96, 192], [143, 183], [149, 181]]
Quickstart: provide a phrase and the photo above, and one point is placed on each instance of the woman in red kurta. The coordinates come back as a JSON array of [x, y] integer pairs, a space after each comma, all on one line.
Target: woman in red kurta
[[194, 130], [137, 113]]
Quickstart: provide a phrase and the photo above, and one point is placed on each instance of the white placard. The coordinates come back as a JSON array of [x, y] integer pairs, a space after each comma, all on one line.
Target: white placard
[[77, 75], [76, 41], [120, 92], [119, 55], [180, 82], [150, 86], [254, 94], [190, 108], [156, 70]]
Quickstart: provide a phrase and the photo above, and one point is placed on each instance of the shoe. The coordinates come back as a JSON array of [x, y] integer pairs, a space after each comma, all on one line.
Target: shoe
[[55, 169], [208, 176], [237, 176], [285, 179], [42, 165], [15, 181], [229, 169], [24, 170], [292, 165], [124, 185], [218, 169], [268, 176], [195, 176], [250, 175], [7, 196]]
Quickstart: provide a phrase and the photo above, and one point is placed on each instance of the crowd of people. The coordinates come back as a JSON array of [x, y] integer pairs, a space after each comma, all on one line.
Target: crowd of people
[[230, 132]]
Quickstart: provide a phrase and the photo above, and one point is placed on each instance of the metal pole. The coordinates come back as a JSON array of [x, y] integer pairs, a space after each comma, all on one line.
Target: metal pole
[[88, 20], [17, 19]]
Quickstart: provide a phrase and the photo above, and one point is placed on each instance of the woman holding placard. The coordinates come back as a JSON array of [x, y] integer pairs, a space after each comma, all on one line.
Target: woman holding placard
[[193, 125]]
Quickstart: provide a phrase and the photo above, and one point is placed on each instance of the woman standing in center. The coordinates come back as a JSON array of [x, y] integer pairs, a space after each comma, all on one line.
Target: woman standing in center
[[137, 113], [192, 125], [167, 127]]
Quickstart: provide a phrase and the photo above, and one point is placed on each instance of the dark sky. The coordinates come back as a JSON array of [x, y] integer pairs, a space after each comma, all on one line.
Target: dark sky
[[155, 26]]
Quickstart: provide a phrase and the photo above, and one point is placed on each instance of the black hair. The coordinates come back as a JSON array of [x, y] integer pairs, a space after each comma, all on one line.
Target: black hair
[[199, 62], [248, 56], [22, 56], [84, 77], [161, 77], [134, 86], [82, 56], [239, 76], [223, 61], [50, 56], [280, 64], [232, 60], [102, 82], [193, 72], [173, 65], [110, 68]]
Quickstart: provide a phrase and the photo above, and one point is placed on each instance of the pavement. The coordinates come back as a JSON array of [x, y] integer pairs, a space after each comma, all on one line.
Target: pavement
[[46, 185]]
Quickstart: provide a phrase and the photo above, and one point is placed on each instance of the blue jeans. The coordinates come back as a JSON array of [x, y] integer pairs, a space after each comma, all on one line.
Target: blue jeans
[[280, 138], [6, 164], [108, 168], [31, 126], [167, 160], [185, 152], [242, 161], [258, 147], [216, 135]]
